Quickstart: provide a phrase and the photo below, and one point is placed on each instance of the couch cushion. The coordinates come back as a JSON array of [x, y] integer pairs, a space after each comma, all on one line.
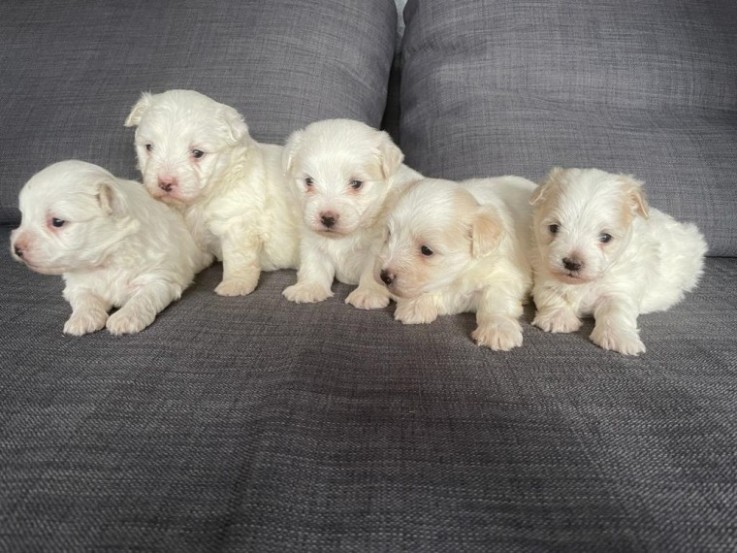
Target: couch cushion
[[646, 88], [72, 71], [254, 424]]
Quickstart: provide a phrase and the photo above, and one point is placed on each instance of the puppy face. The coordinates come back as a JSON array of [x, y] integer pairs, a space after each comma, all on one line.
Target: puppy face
[[435, 232], [583, 220], [184, 142], [339, 170], [72, 214]]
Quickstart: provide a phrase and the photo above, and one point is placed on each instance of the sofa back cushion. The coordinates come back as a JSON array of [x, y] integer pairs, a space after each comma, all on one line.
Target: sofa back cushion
[[71, 71], [646, 88]]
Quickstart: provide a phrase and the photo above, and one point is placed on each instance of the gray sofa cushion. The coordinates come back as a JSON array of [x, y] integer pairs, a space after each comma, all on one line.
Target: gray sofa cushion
[[72, 70], [252, 424], [646, 88]]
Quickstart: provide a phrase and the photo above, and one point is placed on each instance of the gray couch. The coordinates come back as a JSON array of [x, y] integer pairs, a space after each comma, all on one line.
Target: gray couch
[[253, 424]]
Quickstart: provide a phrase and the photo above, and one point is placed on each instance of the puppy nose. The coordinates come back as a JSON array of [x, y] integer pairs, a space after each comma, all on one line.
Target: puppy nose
[[328, 219], [572, 264], [386, 277], [167, 183], [18, 250]]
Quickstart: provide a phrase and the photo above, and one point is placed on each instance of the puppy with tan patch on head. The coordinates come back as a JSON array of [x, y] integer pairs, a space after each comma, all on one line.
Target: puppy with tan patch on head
[[113, 244], [601, 251], [197, 155], [461, 247], [344, 175]]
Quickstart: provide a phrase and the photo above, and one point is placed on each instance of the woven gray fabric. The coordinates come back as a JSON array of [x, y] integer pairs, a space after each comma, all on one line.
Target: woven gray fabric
[[71, 71], [646, 88], [253, 424]]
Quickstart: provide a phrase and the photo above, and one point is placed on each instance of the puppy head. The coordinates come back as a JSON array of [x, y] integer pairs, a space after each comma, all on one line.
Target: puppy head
[[583, 220], [73, 213], [341, 172], [436, 231], [184, 142]]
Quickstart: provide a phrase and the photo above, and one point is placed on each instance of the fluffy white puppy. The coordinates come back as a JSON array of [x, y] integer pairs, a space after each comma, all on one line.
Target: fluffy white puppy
[[461, 247], [114, 245], [197, 155], [344, 175], [601, 251]]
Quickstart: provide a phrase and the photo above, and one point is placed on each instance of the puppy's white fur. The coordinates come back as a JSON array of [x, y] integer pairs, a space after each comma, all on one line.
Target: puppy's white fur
[[197, 155], [112, 243], [460, 247], [344, 175], [601, 251]]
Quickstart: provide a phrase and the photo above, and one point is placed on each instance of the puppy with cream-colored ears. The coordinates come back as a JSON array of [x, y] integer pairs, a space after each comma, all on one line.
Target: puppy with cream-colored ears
[[601, 251], [113, 244], [461, 247], [197, 155], [344, 175]]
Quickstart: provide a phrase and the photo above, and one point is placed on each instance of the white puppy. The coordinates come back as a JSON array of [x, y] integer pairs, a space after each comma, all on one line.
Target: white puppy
[[345, 175], [459, 247], [113, 244], [600, 250], [197, 155]]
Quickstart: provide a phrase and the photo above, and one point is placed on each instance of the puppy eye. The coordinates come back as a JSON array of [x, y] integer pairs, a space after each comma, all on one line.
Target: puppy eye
[[197, 154], [605, 237], [553, 229], [57, 223], [427, 252], [149, 147], [309, 181], [356, 184]]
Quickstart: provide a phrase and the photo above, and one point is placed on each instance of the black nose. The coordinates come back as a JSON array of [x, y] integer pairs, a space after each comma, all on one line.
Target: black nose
[[18, 251], [572, 264], [328, 221], [165, 186], [386, 277]]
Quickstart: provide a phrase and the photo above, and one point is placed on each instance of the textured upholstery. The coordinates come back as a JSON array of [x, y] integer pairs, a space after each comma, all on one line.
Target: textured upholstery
[[252, 424], [71, 71], [646, 88]]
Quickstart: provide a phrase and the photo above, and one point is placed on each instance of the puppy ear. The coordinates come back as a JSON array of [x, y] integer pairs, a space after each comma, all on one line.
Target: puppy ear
[[550, 180], [290, 150], [390, 156], [235, 126], [635, 196], [111, 201], [134, 117], [486, 231]]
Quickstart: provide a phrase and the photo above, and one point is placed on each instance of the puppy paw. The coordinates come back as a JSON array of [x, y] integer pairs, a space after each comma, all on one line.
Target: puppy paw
[[306, 293], [412, 312], [236, 287], [557, 320], [128, 321], [362, 298], [626, 342], [85, 322], [502, 334]]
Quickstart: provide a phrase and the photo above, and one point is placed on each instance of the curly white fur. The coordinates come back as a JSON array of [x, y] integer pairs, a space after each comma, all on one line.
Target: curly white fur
[[114, 245], [461, 247], [601, 251], [197, 155]]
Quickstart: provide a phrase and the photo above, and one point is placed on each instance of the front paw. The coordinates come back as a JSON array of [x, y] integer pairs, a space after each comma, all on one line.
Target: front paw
[[306, 292], [557, 320], [412, 312], [501, 334], [85, 322], [237, 287], [624, 341], [128, 321], [367, 298]]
